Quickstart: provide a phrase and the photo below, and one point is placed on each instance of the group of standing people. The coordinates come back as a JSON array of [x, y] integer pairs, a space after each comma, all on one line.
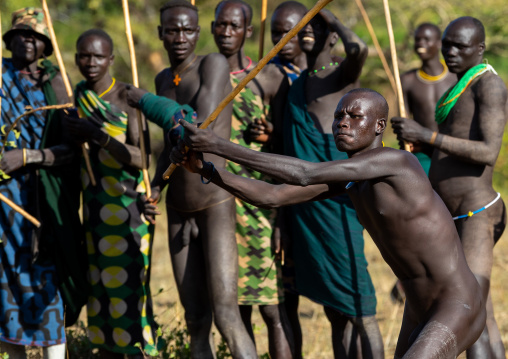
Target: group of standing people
[[301, 136]]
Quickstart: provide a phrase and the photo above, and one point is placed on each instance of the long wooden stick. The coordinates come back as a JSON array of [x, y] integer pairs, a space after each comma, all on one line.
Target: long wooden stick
[[135, 82], [395, 64], [20, 210], [213, 116], [262, 29], [376, 45], [67, 84], [193, 2]]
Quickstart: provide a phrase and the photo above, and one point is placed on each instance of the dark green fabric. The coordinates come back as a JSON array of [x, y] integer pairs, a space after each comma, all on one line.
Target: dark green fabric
[[330, 265], [61, 227], [424, 161], [160, 110]]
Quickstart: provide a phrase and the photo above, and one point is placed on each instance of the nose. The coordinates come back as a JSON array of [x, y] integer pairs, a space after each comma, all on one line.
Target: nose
[[180, 37]]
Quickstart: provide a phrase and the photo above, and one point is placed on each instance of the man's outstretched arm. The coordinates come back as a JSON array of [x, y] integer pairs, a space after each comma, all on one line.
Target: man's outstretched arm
[[378, 163], [255, 192]]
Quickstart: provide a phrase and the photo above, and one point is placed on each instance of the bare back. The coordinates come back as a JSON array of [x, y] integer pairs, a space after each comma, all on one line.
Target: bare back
[[202, 87]]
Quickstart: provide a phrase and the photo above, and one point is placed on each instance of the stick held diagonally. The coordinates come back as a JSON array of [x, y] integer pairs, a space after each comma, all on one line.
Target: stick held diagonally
[[262, 63]]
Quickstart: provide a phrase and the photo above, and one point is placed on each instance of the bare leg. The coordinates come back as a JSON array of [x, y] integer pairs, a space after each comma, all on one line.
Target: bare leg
[[246, 313], [14, 351], [280, 337], [291, 302], [496, 342], [370, 337], [339, 323], [221, 257], [54, 352], [189, 271], [478, 234]]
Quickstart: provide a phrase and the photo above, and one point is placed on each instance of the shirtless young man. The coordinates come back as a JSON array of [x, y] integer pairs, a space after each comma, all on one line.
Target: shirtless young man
[[339, 279], [423, 87], [466, 148], [407, 220], [255, 109], [284, 18], [207, 286]]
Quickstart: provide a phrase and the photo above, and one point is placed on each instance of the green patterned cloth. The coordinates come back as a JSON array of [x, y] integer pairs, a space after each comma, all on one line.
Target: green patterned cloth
[[119, 240], [451, 96], [259, 275]]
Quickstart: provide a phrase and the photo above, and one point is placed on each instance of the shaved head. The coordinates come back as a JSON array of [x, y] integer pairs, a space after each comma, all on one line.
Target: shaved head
[[431, 27], [378, 101], [293, 6], [471, 22], [246, 8]]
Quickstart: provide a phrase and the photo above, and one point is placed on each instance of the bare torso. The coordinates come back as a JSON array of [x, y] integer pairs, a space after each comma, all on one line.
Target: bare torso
[[185, 191], [464, 185], [422, 97], [405, 226], [322, 93]]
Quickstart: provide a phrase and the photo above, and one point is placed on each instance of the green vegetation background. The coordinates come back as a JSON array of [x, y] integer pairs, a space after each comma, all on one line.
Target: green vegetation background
[[72, 17]]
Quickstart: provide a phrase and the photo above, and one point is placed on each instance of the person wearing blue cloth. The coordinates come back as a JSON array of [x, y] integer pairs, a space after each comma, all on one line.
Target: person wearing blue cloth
[[42, 270], [471, 117]]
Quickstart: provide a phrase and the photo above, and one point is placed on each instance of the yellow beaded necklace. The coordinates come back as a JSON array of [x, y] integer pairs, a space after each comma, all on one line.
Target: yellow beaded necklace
[[424, 77]]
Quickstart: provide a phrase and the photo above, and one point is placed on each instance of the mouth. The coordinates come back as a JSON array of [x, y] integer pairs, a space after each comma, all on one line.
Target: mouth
[[421, 50], [308, 39]]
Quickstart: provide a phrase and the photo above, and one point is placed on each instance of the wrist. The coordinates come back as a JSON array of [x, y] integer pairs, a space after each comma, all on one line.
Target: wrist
[[432, 137], [33, 157], [207, 171]]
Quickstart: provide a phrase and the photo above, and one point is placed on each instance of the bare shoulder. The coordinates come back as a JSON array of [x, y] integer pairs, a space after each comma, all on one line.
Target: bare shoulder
[[491, 84], [214, 61], [161, 76], [273, 72]]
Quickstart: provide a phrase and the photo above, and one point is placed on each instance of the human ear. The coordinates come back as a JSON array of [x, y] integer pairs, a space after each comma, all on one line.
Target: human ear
[[481, 47], [111, 59], [198, 31], [212, 26], [380, 126], [159, 29], [250, 29], [333, 37]]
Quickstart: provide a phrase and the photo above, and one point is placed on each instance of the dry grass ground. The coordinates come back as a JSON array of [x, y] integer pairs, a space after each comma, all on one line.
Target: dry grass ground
[[316, 330]]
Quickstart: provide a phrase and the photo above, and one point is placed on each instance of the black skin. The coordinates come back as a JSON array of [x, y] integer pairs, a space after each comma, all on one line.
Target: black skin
[[395, 202], [207, 285], [283, 20], [230, 30], [465, 151], [27, 48], [322, 92], [94, 57], [420, 97]]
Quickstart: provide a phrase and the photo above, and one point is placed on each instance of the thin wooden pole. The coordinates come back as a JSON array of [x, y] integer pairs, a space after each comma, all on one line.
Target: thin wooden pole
[[262, 29], [67, 84], [395, 64], [213, 116], [135, 82], [376, 45], [193, 2], [20, 210]]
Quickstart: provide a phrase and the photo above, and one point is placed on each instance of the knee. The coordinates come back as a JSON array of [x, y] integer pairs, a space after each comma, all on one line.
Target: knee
[[197, 321], [271, 314]]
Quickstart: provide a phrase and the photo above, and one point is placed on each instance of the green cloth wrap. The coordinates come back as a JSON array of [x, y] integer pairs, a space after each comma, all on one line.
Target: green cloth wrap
[[451, 96], [161, 110]]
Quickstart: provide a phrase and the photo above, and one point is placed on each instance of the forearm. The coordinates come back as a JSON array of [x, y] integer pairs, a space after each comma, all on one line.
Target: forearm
[[127, 154], [282, 168], [477, 152], [53, 156], [162, 165]]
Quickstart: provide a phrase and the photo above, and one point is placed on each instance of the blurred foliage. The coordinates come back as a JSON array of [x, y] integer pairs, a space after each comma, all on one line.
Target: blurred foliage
[[72, 17]]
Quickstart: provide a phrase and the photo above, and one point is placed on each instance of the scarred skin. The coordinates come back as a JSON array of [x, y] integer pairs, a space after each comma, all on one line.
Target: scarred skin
[[230, 29], [407, 220], [466, 150], [420, 97], [200, 218]]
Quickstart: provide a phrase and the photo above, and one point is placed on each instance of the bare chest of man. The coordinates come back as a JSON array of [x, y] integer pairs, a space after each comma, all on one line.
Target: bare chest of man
[[462, 121], [185, 92]]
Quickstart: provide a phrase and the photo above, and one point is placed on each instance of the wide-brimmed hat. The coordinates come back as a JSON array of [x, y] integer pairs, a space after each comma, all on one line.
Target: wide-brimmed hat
[[29, 19]]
